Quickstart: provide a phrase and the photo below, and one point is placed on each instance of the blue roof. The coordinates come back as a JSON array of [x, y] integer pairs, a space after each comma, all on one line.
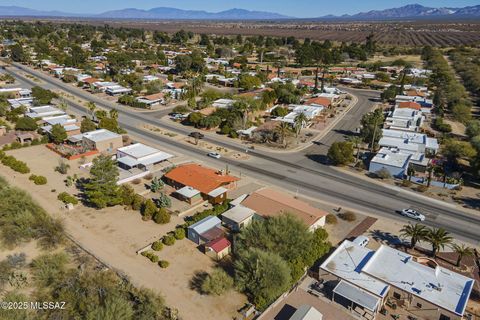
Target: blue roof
[[464, 298], [364, 261], [205, 224]]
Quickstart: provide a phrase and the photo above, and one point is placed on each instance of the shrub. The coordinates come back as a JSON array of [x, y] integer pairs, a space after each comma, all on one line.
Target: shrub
[[163, 264], [128, 194], [164, 201], [148, 176], [150, 255], [65, 197], [62, 167], [179, 233], [383, 174], [161, 216], [137, 181], [38, 180], [168, 240], [137, 202], [15, 165], [217, 282], [157, 245], [348, 216], [148, 209], [406, 183], [422, 188], [331, 219]]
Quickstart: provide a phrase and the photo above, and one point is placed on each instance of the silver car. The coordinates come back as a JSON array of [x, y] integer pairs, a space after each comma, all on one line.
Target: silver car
[[413, 214], [214, 155]]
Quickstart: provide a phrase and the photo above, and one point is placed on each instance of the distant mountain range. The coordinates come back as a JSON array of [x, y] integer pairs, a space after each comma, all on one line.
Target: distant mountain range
[[412, 11]]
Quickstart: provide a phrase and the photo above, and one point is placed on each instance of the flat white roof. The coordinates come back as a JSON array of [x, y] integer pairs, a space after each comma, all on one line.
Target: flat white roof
[[216, 192], [391, 158], [399, 143], [188, 192], [238, 213], [442, 287], [100, 135], [347, 262], [138, 150], [306, 312]]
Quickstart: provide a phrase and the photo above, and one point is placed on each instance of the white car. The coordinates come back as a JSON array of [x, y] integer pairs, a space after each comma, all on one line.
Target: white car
[[214, 155], [362, 241], [413, 214]]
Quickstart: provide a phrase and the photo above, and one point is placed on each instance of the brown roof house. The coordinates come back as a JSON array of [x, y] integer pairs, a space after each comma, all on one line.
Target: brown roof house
[[270, 203], [211, 184]]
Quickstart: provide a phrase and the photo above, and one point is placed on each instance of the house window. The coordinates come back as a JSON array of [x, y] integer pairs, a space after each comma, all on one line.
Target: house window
[[419, 305], [397, 295], [444, 317]]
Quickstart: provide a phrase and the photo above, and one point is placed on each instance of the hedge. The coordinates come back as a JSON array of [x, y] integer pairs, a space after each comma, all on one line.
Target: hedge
[[14, 164], [157, 245], [163, 264]]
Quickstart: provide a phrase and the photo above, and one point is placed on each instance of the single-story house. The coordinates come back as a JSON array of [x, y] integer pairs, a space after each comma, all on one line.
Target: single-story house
[[212, 184], [117, 90], [394, 161], [238, 217], [366, 279], [102, 140], [223, 103], [205, 230], [219, 248], [140, 156], [16, 92], [321, 101], [152, 99], [267, 202], [43, 111]]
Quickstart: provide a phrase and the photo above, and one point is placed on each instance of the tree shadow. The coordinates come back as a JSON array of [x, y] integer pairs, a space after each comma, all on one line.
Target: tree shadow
[[345, 133], [320, 158], [472, 203], [197, 280], [387, 238]]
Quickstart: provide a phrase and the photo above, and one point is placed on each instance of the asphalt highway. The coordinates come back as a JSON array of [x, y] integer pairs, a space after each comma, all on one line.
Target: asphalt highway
[[301, 172]]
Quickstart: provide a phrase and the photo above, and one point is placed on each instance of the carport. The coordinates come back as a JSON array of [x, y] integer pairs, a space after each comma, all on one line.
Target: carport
[[357, 300]]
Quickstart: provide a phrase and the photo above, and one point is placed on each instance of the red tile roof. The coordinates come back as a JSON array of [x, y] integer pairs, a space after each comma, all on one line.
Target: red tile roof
[[201, 178], [319, 100], [220, 244], [410, 105], [155, 96]]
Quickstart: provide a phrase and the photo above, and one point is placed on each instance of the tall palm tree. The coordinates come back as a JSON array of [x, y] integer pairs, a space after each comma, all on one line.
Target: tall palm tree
[[415, 232], [438, 238], [300, 120], [462, 251], [356, 141], [283, 130], [410, 172]]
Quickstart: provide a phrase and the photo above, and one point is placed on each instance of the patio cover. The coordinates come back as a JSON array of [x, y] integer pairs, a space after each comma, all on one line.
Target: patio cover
[[357, 295]]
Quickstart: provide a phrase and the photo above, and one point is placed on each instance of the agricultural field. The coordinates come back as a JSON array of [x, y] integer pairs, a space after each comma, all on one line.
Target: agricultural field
[[391, 33]]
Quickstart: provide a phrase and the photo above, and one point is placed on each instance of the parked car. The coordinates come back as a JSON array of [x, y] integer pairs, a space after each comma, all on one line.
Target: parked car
[[413, 214], [197, 135], [362, 241], [214, 155]]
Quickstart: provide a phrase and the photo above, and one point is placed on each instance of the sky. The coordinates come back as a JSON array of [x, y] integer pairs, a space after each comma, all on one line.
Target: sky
[[296, 8]]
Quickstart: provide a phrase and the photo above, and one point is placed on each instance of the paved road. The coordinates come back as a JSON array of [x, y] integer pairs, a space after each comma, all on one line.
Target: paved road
[[297, 173]]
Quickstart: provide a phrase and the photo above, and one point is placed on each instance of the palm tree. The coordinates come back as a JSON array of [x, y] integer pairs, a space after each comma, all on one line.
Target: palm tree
[[356, 141], [415, 232], [462, 251], [300, 120], [113, 114], [92, 107], [438, 238], [283, 130], [411, 172]]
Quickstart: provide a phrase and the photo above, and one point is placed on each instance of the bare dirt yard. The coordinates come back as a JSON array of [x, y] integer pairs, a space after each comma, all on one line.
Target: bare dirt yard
[[113, 235]]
